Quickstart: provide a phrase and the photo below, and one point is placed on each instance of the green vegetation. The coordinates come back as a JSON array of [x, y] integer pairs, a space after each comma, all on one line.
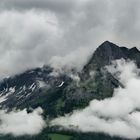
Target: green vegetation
[[59, 137], [67, 135]]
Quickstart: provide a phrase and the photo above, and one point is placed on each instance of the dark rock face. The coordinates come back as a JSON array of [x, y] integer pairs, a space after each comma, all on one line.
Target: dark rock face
[[107, 52], [33, 88]]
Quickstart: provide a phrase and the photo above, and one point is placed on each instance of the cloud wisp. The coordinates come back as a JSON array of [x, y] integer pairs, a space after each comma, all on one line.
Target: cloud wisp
[[116, 116], [19, 123]]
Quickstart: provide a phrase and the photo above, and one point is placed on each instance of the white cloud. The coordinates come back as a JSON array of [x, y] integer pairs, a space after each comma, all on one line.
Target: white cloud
[[27, 40], [75, 59], [116, 116], [20, 123]]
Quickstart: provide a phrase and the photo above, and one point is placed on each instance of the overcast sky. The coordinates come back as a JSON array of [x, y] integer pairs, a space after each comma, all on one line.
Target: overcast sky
[[35, 32]]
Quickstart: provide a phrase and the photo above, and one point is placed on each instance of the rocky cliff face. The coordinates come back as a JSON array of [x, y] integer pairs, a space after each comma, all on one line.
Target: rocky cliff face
[[107, 52]]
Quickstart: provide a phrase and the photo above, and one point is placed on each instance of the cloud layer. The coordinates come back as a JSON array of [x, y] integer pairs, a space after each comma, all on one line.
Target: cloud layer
[[116, 116], [20, 123], [36, 32]]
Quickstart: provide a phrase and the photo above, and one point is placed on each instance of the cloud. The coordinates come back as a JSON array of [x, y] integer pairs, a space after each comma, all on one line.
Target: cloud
[[35, 32], [27, 40], [71, 60], [20, 122], [116, 116], [32, 39], [96, 17]]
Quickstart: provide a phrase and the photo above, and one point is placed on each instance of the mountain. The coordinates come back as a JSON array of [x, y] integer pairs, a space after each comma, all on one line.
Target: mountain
[[107, 52], [60, 93], [33, 88]]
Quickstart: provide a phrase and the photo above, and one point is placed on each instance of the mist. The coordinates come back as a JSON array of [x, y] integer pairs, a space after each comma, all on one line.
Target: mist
[[19, 122]]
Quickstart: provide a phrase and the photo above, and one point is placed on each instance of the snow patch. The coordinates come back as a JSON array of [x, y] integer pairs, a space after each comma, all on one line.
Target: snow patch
[[2, 99], [12, 89], [61, 84], [31, 87]]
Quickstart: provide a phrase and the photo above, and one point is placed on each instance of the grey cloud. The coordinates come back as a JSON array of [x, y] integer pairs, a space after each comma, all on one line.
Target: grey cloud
[[43, 30], [126, 21], [27, 40], [69, 61], [60, 6]]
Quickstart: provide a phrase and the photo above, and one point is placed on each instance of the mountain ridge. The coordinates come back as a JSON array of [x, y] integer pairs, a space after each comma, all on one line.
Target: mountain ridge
[[27, 83], [59, 95]]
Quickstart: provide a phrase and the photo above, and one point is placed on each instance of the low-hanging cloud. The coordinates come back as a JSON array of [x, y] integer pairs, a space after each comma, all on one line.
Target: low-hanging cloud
[[71, 60], [19, 122], [116, 116]]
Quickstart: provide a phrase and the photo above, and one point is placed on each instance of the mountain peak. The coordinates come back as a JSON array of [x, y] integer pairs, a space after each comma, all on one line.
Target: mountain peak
[[106, 42], [108, 51], [107, 45], [134, 49], [105, 53]]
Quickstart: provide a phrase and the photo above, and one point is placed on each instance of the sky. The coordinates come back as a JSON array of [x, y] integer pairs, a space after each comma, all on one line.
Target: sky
[[38, 32]]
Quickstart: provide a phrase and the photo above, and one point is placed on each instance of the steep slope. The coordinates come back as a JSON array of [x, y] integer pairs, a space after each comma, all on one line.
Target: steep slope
[[33, 88]]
